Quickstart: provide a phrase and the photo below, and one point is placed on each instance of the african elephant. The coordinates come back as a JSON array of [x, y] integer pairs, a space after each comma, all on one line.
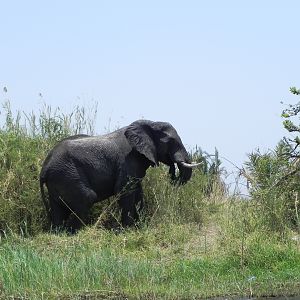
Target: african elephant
[[82, 170]]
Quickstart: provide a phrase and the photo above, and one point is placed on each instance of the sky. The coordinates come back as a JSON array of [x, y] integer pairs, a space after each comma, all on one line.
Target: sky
[[216, 70]]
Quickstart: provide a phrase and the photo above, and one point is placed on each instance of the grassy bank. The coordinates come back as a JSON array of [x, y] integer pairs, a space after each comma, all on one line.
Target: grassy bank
[[169, 261], [195, 241]]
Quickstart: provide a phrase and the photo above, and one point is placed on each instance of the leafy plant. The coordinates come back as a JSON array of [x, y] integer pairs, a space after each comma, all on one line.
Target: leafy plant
[[274, 178]]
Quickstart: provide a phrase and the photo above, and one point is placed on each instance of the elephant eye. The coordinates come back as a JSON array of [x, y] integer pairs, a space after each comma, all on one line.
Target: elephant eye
[[164, 140]]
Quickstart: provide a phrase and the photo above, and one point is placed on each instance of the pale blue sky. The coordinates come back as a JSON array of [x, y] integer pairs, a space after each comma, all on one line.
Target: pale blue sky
[[216, 70]]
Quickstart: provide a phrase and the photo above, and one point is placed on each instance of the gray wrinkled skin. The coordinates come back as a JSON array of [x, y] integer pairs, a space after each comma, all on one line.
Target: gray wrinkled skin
[[82, 170]]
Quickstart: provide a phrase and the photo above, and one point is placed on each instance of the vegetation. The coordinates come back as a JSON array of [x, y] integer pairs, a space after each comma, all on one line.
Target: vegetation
[[274, 178], [168, 261], [195, 241]]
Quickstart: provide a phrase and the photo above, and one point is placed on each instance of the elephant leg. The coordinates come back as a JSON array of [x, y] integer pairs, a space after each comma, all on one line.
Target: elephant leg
[[79, 202], [128, 203], [129, 191], [58, 212], [139, 197], [129, 213]]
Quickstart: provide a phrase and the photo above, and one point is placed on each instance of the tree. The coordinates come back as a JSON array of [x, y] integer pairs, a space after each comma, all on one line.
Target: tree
[[290, 114]]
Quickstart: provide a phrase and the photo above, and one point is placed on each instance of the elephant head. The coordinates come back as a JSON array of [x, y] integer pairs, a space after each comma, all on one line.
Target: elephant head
[[159, 142]]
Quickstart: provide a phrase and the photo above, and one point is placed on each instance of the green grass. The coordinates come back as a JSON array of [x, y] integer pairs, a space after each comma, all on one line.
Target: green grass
[[174, 262], [193, 241]]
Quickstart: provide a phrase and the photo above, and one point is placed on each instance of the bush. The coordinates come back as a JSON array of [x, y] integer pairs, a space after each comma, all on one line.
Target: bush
[[190, 203], [274, 189], [274, 177]]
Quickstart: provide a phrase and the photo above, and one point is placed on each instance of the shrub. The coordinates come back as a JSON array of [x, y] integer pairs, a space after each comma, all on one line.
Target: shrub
[[274, 178]]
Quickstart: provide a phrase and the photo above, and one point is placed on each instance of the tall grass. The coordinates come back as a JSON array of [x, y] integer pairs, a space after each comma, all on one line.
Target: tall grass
[[180, 205]]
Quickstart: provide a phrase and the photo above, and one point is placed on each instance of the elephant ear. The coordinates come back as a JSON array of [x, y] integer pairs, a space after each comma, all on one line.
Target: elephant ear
[[140, 138]]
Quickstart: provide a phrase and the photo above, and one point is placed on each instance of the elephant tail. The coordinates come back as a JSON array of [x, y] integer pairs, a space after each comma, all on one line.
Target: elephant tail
[[46, 204]]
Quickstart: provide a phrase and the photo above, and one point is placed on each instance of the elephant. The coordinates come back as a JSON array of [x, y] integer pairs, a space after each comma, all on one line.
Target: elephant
[[82, 170]]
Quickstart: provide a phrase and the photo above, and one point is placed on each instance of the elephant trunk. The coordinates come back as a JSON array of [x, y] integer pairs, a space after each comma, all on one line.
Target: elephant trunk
[[185, 166], [184, 173]]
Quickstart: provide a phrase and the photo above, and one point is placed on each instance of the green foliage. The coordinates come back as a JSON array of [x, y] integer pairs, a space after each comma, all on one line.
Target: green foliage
[[20, 160], [292, 111], [211, 171], [274, 189], [274, 178], [189, 203]]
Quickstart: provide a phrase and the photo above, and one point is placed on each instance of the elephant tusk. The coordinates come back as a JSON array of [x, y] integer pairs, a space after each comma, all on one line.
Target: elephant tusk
[[191, 166]]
